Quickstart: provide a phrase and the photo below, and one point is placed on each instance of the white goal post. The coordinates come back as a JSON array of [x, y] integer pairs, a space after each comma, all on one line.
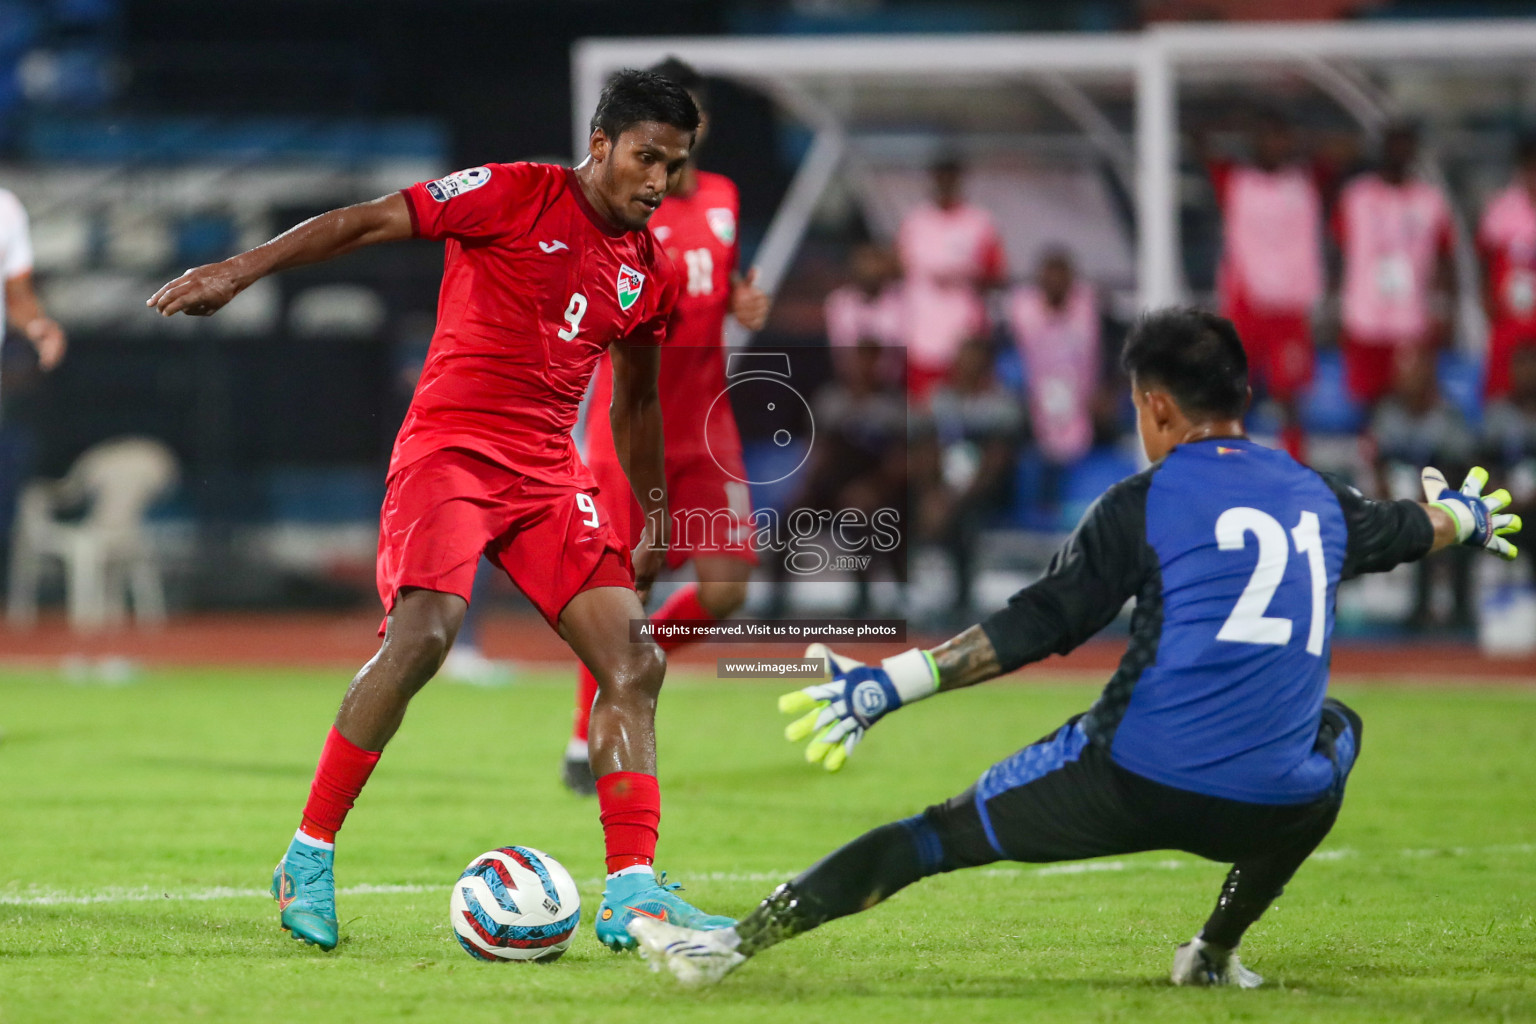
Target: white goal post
[[812, 79]]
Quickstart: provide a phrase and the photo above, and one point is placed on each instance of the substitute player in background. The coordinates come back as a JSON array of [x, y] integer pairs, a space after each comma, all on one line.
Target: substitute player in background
[[545, 268], [1271, 272], [1214, 736], [707, 492], [1398, 294], [1506, 240], [19, 305]]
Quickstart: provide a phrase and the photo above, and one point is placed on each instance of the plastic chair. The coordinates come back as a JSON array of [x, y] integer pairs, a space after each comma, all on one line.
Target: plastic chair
[[106, 552]]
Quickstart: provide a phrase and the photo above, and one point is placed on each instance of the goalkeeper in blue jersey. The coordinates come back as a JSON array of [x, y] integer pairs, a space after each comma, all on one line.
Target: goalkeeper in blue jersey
[[1214, 736]]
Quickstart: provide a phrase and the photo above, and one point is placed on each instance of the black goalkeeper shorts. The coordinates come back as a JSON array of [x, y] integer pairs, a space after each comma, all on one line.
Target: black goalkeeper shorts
[[1069, 801]]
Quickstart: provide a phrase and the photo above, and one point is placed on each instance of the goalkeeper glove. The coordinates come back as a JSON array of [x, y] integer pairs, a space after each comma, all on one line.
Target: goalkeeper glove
[[1477, 524], [835, 715]]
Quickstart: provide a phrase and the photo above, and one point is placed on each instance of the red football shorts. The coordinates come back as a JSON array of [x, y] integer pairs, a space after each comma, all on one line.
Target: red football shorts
[[710, 506], [1371, 370], [442, 512], [1279, 347]]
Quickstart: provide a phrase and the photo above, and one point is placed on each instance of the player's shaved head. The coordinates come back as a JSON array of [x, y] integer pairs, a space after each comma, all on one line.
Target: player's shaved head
[[1193, 355]]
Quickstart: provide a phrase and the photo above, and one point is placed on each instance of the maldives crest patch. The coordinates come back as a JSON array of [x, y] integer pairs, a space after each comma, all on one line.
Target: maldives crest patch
[[722, 221], [629, 284]]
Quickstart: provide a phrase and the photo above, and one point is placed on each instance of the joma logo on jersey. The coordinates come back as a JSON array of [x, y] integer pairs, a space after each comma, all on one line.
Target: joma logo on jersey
[[629, 284]]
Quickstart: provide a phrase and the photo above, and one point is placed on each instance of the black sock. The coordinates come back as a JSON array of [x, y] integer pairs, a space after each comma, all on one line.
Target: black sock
[[1242, 901], [851, 879]]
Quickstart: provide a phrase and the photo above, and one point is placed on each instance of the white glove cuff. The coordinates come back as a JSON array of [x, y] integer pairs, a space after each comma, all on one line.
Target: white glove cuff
[[913, 674], [1460, 514]]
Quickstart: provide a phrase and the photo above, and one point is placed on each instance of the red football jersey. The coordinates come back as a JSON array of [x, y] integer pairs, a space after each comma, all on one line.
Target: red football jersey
[[536, 286], [698, 232]]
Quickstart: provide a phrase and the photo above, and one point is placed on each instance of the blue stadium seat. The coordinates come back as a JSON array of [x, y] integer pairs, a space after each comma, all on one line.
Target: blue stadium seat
[[329, 494], [59, 137], [1083, 483], [1461, 382], [1010, 370], [1025, 511], [1328, 407], [765, 460], [204, 238]]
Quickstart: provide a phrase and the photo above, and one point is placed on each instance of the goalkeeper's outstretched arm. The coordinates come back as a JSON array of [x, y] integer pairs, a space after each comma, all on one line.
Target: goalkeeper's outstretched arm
[[1104, 563], [966, 660]]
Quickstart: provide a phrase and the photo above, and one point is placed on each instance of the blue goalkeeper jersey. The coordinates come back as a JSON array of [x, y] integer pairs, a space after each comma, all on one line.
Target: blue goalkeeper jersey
[[1233, 553]]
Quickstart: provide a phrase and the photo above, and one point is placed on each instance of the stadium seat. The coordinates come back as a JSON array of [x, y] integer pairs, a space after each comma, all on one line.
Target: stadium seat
[[61, 241], [203, 238], [1026, 511], [137, 239], [106, 551], [323, 494], [1328, 407], [1082, 483], [1461, 382], [336, 310]]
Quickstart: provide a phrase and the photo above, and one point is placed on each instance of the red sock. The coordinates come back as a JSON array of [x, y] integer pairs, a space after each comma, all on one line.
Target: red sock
[[682, 605], [343, 771], [630, 809]]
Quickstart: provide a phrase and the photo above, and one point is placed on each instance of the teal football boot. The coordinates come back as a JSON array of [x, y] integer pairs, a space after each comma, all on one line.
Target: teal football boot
[[304, 885], [642, 894]]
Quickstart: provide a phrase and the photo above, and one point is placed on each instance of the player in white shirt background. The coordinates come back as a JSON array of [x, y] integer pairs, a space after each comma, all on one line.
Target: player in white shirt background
[[21, 308]]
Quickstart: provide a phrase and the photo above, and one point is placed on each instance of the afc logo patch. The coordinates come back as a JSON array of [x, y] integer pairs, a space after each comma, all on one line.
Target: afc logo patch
[[457, 183]]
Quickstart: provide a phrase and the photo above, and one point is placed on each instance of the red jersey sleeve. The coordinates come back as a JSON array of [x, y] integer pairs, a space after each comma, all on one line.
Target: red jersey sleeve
[[653, 329], [479, 203]]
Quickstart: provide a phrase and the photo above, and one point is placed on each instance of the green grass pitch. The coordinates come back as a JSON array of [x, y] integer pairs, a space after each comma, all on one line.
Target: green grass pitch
[[139, 825]]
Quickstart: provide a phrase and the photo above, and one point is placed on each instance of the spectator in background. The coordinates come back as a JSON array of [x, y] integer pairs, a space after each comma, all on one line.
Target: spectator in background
[[1271, 271], [962, 460], [951, 253], [1055, 324], [1506, 240], [20, 304], [868, 308], [21, 310], [1413, 427], [859, 462], [1395, 236], [1509, 435]]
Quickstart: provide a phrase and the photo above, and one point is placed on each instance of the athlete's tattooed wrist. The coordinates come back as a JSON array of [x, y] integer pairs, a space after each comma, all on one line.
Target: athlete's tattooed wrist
[[966, 660]]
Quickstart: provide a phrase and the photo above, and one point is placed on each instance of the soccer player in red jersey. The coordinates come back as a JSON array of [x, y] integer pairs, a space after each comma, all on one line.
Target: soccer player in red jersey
[[545, 268], [707, 490]]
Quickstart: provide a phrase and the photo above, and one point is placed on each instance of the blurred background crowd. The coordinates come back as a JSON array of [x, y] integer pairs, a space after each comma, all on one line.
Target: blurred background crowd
[[958, 299]]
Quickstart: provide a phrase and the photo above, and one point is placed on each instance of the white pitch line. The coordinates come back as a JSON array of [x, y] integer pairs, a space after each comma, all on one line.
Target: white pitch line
[[42, 897]]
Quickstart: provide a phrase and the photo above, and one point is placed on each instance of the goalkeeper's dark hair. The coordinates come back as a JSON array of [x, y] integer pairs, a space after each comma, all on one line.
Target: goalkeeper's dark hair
[[634, 97], [685, 75], [1195, 356]]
